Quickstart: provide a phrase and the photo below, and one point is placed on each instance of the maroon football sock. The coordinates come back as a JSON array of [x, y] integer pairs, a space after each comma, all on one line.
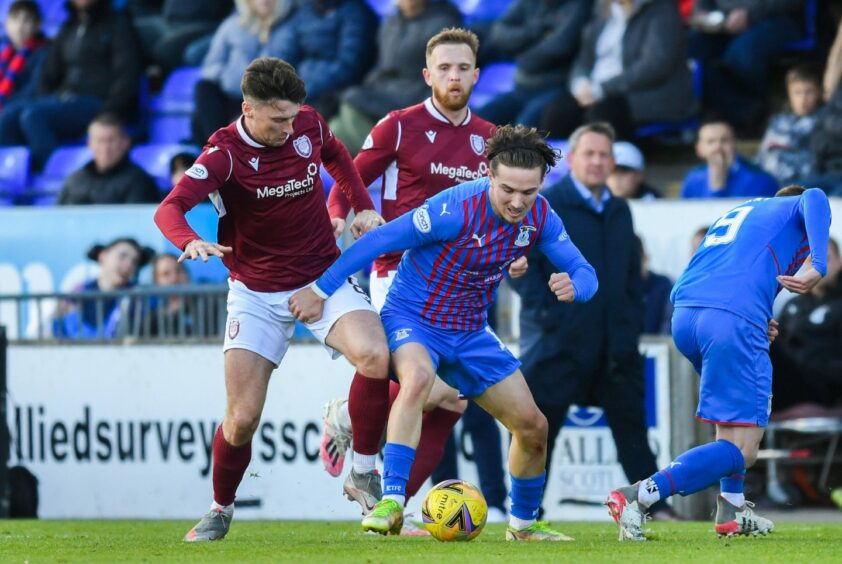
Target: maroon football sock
[[435, 428], [229, 465], [368, 406]]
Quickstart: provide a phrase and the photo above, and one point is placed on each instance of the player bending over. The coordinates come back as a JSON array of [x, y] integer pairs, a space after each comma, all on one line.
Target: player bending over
[[460, 243], [723, 324]]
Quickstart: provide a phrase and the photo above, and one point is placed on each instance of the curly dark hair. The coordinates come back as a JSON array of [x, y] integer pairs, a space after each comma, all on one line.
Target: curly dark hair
[[521, 147]]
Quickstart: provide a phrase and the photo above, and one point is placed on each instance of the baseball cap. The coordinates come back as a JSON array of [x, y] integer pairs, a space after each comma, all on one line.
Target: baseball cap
[[627, 155]]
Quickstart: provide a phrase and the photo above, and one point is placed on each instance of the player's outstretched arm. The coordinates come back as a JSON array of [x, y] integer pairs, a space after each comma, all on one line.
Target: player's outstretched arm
[[815, 211], [573, 268], [802, 283], [204, 249]]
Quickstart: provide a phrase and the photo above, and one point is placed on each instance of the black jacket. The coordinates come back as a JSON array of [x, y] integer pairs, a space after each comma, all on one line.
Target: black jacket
[[97, 58], [583, 341], [126, 183]]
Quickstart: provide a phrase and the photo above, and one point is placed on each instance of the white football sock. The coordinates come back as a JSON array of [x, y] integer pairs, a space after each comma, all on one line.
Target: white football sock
[[401, 499], [647, 492], [225, 508], [364, 462], [520, 524], [736, 499]]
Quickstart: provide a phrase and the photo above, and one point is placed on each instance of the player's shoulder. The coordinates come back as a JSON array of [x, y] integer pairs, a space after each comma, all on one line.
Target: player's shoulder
[[481, 126], [309, 121], [464, 191], [409, 115]]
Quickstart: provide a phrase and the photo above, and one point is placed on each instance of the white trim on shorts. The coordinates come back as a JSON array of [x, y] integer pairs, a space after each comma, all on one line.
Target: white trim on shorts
[[261, 322], [378, 288]]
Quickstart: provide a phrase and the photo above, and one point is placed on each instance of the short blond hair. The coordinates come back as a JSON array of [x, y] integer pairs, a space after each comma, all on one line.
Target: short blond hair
[[454, 36]]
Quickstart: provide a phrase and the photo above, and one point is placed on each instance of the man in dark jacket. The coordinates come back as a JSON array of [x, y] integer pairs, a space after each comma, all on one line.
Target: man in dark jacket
[[110, 178], [396, 81], [93, 66], [588, 353], [543, 38]]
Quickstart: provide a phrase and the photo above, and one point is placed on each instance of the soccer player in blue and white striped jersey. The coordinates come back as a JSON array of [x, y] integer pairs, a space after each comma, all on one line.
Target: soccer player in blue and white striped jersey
[[460, 243]]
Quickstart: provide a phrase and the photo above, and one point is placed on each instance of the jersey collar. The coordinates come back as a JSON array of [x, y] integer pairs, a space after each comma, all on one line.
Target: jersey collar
[[434, 111], [245, 136]]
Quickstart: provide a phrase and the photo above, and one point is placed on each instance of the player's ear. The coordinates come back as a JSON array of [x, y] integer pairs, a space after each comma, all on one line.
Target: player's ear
[[425, 72], [247, 108]]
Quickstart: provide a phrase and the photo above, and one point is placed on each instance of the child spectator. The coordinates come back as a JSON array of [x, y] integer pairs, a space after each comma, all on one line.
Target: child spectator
[[22, 51], [785, 150], [179, 164]]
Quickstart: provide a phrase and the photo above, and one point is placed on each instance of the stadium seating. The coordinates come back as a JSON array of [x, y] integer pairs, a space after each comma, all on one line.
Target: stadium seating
[[14, 171], [494, 79], [810, 39], [382, 8], [176, 96], [482, 9], [169, 129], [62, 162], [155, 159]]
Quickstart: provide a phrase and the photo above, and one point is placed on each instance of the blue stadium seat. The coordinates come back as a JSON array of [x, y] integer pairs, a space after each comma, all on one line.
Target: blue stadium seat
[[177, 94], [62, 162], [482, 9], [14, 173], [382, 8], [54, 13], [155, 159], [560, 170], [494, 79], [810, 39], [169, 129]]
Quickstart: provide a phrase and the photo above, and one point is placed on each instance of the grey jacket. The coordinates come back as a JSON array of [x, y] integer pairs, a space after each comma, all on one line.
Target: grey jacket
[[656, 78], [396, 81], [543, 37]]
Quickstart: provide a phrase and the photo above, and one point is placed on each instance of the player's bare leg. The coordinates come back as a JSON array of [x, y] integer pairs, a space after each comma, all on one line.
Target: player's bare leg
[[246, 381], [359, 336], [734, 514], [414, 368], [511, 403]]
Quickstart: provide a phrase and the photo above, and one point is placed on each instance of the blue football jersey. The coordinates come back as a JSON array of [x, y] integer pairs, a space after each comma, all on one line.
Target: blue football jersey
[[736, 265], [459, 251]]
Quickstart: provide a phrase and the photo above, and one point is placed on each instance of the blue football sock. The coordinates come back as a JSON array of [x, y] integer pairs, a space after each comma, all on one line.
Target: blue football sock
[[526, 496], [699, 468], [397, 462], [733, 483]]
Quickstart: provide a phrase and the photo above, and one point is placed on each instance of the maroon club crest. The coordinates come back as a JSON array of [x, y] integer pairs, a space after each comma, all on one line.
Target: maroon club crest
[[233, 329]]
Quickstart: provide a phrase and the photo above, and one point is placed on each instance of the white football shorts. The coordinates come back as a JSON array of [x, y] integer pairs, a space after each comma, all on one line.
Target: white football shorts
[[262, 323], [379, 287]]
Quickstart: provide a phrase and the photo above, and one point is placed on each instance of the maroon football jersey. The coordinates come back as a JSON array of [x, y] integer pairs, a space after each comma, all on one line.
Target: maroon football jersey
[[270, 201], [419, 153]]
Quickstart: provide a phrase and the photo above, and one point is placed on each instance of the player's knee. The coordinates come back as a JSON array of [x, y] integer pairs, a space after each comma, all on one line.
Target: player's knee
[[532, 430], [371, 358], [242, 426], [416, 384]]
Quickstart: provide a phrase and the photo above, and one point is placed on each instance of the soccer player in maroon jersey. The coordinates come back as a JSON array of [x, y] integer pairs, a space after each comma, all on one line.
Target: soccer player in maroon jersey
[[262, 174], [419, 151]]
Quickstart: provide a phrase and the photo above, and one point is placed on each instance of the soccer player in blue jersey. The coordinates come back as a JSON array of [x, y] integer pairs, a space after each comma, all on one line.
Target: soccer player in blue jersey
[[723, 324], [460, 243]]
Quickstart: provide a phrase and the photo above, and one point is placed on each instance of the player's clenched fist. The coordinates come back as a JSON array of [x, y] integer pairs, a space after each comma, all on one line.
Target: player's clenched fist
[[306, 305], [365, 221], [518, 267], [198, 248], [562, 287]]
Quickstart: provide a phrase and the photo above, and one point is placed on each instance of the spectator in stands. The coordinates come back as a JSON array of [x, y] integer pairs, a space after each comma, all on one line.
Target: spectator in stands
[[100, 317], [724, 174], [826, 145], [22, 52], [165, 33], [179, 164], [628, 180], [543, 38], [258, 28], [736, 41], [171, 315], [332, 47], [395, 82], [805, 356], [92, 66], [110, 177], [785, 151], [657, 307], [631, 69], [587, 353]]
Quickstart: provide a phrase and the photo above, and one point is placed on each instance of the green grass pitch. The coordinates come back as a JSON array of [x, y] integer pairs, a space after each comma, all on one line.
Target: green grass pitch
[[275, 541]]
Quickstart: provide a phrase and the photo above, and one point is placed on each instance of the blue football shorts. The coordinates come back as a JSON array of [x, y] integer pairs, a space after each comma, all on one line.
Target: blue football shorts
[[470, 361], [732, 356]]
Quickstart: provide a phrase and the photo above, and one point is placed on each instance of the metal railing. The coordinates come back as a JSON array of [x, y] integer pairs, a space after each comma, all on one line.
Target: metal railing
[[144, 313]]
